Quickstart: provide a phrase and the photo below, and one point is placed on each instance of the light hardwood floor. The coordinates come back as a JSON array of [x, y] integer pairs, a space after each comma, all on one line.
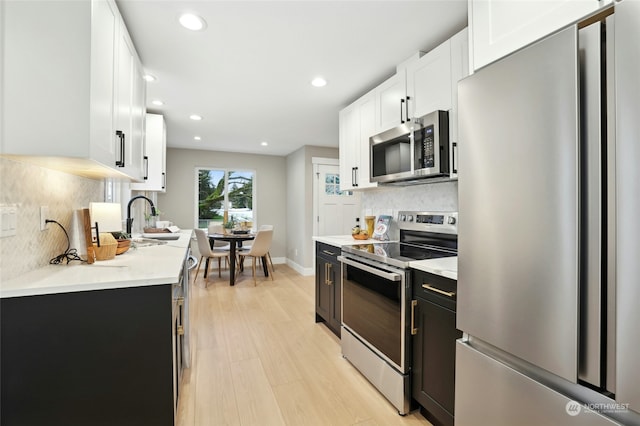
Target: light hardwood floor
[[258, 358]]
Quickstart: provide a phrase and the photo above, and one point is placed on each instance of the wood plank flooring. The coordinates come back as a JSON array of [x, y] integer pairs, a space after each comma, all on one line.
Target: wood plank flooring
[[258, 358]]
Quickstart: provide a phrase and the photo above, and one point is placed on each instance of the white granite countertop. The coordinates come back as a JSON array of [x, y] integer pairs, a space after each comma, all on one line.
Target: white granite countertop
[[342, 240], [444, 266], [141, 266]]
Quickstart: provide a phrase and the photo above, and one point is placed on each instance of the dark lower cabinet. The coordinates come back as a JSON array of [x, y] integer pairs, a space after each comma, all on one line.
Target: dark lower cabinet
[[101, 357], [328, 279], [434, 349]]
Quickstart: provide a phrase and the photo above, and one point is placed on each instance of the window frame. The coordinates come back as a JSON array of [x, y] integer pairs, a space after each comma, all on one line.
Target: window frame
[[226, 171]]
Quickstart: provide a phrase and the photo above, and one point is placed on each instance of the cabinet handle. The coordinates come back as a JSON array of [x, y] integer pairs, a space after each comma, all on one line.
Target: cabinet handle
[[401, 119], [329, 280], [146, 167], [180, 330], [406, 106], [354, 176], [414, 330], [164, 180], [437, 290], [121, 136], [454, 148], [330, 253]]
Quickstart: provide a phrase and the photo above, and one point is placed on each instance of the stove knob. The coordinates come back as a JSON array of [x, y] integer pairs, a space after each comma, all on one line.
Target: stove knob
[[403, 218], [410, 218], [451, 220]]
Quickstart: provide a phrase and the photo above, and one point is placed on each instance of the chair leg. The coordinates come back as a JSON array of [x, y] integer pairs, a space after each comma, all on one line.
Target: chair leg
[[270, 261], [219, 266], [253, 269], [198, 269]]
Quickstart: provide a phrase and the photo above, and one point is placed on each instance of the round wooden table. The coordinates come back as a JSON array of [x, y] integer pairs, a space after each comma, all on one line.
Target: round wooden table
[[234, 240]]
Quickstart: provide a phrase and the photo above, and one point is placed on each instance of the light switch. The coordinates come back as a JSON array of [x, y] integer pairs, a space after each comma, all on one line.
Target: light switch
[[8, 220]]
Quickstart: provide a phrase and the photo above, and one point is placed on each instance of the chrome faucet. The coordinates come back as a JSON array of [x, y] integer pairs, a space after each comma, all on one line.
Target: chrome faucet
[[129, 218]]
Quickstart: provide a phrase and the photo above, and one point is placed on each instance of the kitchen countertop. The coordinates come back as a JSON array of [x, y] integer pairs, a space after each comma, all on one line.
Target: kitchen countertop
[[142, 266], [444, 266], [343, 240]]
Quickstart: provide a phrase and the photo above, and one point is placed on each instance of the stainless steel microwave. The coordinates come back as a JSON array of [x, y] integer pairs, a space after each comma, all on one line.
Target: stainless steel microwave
[[416, 149]]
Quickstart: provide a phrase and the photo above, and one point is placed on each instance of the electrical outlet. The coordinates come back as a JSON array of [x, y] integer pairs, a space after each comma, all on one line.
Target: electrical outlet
[[44, 215], [8, 221]]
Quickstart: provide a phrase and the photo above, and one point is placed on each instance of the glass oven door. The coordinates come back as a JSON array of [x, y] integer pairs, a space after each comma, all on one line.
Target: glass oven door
[[374, 308]]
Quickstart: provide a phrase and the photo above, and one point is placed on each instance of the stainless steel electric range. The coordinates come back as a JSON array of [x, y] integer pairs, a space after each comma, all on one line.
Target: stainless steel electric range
[[376, 294]]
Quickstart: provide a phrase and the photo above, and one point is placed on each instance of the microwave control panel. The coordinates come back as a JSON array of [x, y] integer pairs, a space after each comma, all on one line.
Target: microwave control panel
[[424, 140]]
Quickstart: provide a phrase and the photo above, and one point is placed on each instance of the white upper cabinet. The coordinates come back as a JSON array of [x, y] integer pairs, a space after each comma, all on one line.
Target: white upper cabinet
[[356, 122], [459, 70], [155, 150], [390, 101], [62, 87], [420, 86], [429, 82], [500, 27]]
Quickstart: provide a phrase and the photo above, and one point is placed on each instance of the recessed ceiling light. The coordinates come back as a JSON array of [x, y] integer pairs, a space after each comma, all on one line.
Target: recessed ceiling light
[[197, 138], [195, 117], [192, 22], [149, 77], [157, 102], [263, 143], [318, 82]]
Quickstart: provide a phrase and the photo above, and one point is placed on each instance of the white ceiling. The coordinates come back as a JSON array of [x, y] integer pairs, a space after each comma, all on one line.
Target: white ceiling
[[248, 74]]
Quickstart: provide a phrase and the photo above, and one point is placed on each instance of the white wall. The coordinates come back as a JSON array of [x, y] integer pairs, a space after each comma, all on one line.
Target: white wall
[[300, 205], [179, 206]]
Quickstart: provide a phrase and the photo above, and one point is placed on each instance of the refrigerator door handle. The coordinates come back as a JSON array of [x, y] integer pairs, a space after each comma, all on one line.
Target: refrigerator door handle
[[591, 181]]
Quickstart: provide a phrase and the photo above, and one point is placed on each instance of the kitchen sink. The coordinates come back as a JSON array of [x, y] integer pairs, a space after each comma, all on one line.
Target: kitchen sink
[[161, 236], [146, 242]]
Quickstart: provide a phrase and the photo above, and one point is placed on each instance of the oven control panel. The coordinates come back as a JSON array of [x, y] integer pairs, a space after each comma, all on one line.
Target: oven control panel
[[441, 222]]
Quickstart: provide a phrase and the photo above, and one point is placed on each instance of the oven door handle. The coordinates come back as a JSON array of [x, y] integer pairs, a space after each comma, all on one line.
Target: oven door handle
[[387, 275]]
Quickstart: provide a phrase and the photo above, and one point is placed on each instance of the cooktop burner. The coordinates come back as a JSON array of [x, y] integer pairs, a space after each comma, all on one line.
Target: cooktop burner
[[398, 254], [423, 236]]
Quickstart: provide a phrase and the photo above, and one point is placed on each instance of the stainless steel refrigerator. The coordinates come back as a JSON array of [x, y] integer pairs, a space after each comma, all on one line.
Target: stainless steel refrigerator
[[549, 231]]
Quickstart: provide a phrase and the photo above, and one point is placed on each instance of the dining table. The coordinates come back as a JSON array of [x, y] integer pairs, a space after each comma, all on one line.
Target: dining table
[[235, 242]]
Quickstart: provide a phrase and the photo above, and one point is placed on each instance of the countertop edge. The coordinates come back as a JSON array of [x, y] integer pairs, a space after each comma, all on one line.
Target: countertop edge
[[146, 266]]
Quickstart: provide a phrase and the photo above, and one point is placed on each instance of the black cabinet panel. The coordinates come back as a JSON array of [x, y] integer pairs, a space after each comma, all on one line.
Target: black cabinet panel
[[328, 286], [434, 352], [87, 358]]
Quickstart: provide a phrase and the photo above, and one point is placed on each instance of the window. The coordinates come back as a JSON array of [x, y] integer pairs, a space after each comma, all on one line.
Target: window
[[225, 195]]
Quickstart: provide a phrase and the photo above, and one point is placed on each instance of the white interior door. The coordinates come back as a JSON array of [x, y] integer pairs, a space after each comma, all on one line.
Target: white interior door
[[336, 210]]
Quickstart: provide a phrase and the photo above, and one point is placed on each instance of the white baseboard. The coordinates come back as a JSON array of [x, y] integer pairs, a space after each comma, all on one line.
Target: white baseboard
[[299, 269]]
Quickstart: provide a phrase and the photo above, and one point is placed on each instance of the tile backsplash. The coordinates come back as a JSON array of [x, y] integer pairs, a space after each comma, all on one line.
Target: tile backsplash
[[389, 200], [29, 187]]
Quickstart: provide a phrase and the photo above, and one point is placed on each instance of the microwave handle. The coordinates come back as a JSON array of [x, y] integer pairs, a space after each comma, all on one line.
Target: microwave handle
[[406, 106], [454, 149]]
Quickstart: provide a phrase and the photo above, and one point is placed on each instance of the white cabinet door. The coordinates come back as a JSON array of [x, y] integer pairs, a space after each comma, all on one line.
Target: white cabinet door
[[104, 25], [155, 154], [500, 27], [357, 125], [129, 152], [348, 130], [459, 70], [367, 117], [429, 82], [391, 107]]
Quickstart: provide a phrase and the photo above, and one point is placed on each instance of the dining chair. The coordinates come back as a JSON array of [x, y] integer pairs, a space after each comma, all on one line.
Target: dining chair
[[207, 252], [247, 245], [259, 249]]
